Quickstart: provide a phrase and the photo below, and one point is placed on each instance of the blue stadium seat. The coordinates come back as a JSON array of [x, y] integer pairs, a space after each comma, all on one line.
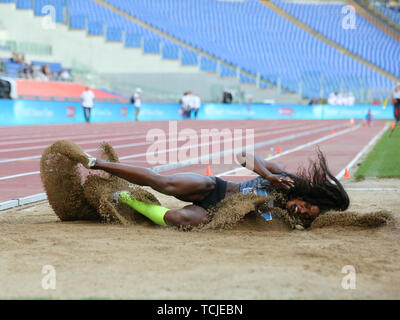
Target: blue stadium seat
[[225, 71], [133, 40], [24, 4], [189, 58], [113, 34], [151, 45], [77, 22], [207, 64], [95, 28], [170, 51]]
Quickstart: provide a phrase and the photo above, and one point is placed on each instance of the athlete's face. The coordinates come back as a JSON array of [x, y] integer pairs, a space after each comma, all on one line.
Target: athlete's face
[[302, 208]]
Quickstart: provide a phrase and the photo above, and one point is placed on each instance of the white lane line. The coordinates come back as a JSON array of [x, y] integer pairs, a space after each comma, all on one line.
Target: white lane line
[[359, 155], [131, 145], [120, 138], [70, 137], [124, 136], [176, 165], [20, 175], [294, 149], [46, 134], [216, 142], [96, 133]]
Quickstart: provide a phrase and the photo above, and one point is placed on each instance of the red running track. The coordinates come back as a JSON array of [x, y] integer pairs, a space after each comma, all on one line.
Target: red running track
[[21, 146]]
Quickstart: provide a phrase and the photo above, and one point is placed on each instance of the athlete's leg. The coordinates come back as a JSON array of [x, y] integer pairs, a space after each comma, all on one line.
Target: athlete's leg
[[190, 215], [85, 114], [137, 114], [184, 186], [397, 111]]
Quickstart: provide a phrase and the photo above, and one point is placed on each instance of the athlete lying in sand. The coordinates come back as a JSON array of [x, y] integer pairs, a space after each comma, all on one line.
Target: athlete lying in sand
[[306, 194]]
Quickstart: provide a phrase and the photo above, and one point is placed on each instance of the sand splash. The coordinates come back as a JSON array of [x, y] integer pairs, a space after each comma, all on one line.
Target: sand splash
[[348, 218], [62, 181], [92, 200]]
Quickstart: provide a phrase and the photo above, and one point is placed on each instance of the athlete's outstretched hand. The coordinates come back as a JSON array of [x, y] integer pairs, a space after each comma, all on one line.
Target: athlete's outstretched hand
[[281, 181]]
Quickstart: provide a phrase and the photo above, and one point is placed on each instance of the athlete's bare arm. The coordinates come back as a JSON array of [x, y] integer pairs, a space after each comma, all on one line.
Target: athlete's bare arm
[[266, 169]]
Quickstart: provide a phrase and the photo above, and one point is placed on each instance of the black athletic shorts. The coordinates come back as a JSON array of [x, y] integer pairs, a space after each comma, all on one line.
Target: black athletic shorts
[[215, 196]]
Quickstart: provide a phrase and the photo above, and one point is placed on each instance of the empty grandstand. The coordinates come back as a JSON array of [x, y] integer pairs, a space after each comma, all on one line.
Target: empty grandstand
[[262, 49]]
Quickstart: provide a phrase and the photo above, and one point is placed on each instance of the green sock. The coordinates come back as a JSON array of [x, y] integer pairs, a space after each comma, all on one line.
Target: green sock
[[154, 212]]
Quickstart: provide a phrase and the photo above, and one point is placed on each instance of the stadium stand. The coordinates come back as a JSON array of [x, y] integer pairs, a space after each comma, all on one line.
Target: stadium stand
[[327, 19], [13, 69], [392, 13], [252, 38]]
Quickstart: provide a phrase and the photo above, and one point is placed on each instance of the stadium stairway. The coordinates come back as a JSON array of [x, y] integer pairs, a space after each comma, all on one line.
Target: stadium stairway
[[328, 41]]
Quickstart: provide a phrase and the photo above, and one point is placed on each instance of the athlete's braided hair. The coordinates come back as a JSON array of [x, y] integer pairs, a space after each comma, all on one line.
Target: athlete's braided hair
[[318, 186]]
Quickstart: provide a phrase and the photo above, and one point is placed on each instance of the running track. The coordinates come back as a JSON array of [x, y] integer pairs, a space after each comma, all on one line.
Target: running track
[[21, 146]]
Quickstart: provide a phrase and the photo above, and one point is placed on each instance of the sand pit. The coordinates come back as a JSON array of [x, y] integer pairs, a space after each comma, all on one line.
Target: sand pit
[[253, 260]]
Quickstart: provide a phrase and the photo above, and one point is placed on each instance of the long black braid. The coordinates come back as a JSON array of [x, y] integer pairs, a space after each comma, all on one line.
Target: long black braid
[[317, 186]]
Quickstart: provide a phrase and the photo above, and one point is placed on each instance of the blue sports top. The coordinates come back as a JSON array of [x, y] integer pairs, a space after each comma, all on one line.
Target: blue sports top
[[261, 186]]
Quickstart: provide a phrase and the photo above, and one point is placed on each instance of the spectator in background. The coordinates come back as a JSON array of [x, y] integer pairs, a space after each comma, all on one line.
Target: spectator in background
[[65, 75], [396, 102], [369, 118], [22, 58], [340, 99], [87, 101], [313, 101], [136, 100], [37, 73], [227, 97], [46, 72], [26, 69], [351, 99], [181, 109], [3, 65], [186, 102], [196, 104], [15, 58], [332, 99]]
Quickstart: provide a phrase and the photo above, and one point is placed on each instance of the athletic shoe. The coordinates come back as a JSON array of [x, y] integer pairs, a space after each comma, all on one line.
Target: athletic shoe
[[121, 196], [91, 161]]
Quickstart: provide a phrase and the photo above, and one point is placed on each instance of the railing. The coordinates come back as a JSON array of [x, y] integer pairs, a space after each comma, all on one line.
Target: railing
[[26, 47]]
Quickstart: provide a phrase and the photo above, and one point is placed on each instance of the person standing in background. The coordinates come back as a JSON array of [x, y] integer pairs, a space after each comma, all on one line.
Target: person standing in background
[[196, 104], [396, 102], [137, 102], [2, 65], [87, 101], [369, 118], [187, 104]]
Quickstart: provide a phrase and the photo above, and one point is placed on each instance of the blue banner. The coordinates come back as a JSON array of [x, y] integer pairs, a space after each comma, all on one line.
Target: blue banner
[[26, 112], [212, 111]]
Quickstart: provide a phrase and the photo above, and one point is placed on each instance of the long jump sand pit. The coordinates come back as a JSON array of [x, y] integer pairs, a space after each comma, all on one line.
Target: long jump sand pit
[[251, 261]]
